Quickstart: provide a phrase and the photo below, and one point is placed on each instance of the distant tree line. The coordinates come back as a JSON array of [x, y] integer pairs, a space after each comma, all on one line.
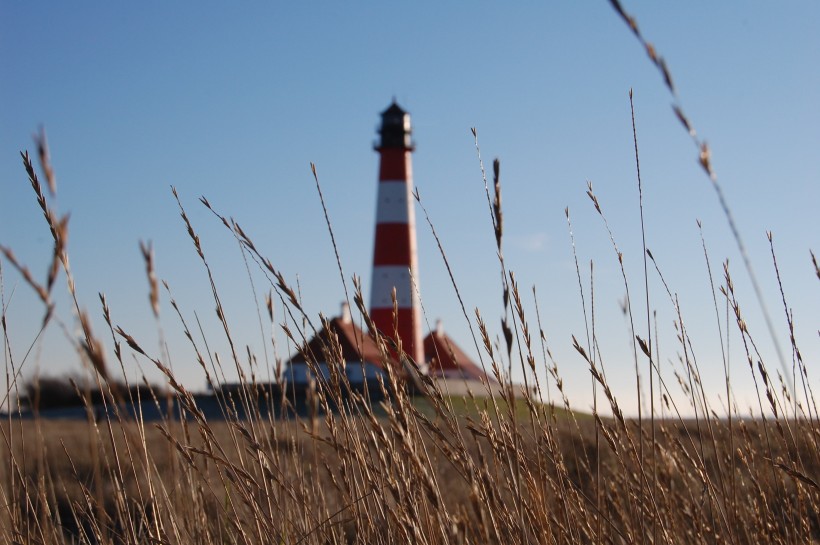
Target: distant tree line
[[43, 393]]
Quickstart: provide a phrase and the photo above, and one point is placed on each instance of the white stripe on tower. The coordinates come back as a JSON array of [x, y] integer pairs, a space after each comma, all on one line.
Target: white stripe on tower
[[393, 199], [385, 277], [395, 263]]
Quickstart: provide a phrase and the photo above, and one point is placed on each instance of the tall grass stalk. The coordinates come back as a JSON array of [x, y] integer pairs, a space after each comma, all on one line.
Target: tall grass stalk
[[506, 463]]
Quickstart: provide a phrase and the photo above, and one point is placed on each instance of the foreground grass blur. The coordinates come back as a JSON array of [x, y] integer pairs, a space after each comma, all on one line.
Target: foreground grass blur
[[429, 468]]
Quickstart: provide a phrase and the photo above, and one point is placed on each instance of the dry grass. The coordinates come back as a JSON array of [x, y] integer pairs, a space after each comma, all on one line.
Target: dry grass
[[406, 478], [507, 469]]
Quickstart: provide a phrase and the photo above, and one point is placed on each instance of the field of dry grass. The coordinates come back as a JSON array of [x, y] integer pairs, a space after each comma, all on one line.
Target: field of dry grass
[[511, 469], [404, 477]]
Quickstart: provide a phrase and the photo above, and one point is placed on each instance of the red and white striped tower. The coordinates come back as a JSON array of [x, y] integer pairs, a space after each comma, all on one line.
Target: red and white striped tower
[[395, 262]]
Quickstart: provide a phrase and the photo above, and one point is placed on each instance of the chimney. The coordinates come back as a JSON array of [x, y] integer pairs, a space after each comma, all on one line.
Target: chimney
[[345, 315], [439, 328]]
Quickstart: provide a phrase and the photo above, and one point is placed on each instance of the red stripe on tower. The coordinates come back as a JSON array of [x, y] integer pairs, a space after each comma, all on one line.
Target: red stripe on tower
[[395, 262]]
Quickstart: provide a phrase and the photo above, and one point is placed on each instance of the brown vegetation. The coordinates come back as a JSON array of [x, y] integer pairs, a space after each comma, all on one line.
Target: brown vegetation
[[508, 469]]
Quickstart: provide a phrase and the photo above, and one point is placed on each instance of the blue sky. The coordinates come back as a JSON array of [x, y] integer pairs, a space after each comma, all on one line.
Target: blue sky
[[233, 103]]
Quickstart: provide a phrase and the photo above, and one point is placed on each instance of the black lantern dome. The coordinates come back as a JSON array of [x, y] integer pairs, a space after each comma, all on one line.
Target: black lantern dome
[[395, 130]]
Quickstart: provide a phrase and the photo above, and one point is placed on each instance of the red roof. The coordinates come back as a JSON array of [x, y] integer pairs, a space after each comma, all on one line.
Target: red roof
[[445, 358], [356, 345]]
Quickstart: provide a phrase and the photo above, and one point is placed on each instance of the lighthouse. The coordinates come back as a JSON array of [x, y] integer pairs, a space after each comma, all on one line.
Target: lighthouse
[[395, 260]]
